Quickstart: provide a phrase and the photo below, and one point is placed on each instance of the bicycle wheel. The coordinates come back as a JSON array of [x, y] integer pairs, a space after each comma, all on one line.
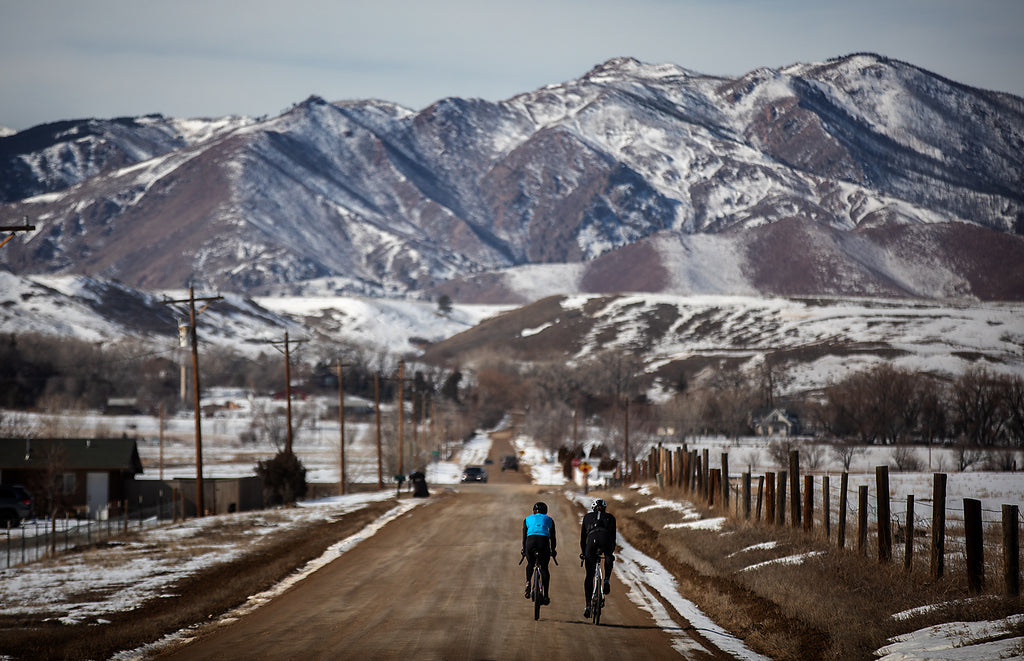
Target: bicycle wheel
[[596, 598], [538, 594]]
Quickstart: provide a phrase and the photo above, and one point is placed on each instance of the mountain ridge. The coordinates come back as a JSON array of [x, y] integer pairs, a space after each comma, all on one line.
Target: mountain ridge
[[369, 198]]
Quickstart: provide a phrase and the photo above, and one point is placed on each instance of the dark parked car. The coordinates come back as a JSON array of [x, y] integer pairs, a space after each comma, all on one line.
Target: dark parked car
[[474, 474], [15, 505], [511, 463]]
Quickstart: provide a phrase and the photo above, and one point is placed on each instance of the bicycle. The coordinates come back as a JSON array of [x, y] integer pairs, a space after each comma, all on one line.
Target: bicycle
[[536, 584], [597, 594]]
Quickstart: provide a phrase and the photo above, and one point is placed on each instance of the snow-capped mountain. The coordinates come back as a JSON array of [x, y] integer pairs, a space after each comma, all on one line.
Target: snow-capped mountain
[[858, 176], [52, 157]]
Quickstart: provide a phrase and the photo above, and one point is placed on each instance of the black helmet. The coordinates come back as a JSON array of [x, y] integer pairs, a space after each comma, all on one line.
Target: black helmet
[[540, 507], [599, 504]]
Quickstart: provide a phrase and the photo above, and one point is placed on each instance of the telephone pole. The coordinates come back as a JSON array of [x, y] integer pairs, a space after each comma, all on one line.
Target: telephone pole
[[288, 386], [401, 420], [193, 336], [341, 426], [376, 408]]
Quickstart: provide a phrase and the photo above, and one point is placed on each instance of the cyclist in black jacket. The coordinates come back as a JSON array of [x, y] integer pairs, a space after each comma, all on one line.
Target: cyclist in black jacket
[[597, 535]]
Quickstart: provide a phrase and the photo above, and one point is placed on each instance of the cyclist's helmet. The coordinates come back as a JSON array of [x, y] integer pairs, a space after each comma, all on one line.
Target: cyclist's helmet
[[540, 507], [599, 504]]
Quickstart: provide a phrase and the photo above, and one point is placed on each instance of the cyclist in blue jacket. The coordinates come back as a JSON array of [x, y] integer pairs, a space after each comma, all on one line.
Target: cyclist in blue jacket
[[539, 535]]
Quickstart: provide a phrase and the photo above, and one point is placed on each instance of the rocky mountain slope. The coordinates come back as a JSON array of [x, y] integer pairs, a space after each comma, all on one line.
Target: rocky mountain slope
[[857, 176]]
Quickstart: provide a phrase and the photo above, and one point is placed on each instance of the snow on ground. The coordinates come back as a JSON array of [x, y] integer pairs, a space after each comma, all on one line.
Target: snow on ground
[[257, 600], [953, 641], [956, 641], [82, 590], [644, 576], [544, 466], [383, 324], [473, 453]]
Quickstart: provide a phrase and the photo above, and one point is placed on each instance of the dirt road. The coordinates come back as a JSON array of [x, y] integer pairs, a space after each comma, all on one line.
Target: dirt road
[[442, 581]]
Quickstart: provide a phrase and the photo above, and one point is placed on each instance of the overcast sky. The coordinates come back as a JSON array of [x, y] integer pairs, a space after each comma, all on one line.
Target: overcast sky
[[69, 59]]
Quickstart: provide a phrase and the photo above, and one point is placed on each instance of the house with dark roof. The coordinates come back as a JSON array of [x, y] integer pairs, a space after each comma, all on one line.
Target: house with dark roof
[[81, 476], [777, 422]]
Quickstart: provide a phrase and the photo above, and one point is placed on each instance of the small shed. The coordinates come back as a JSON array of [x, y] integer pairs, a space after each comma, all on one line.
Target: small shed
[[77, 475]]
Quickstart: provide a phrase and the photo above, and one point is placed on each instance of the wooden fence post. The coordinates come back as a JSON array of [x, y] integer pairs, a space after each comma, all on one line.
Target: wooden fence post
[[769, 498], [975, 545], [844, 483], [746, 496], [908, 553], [938, 559], [862, 518], [1011, 551], [794, 482], [780, 494], [884, 520], [706, 466], [808, 503], [687, 473], [725, 480], [712, 486], [760, 496], [826, 507], [698, 474]]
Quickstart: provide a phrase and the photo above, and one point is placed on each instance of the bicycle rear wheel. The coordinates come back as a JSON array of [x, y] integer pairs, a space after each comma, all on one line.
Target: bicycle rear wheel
[[596, 599], [538, 594]]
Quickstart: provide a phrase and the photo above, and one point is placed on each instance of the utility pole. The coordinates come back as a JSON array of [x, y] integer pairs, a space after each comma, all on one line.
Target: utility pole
[[288, 387], [192, 314], [15, 228], [161, 442], [341, 426], [625, 436], [401, 409], [376, 408]]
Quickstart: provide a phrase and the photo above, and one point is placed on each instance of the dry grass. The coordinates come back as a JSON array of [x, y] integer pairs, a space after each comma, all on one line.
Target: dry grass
[[835, 604]]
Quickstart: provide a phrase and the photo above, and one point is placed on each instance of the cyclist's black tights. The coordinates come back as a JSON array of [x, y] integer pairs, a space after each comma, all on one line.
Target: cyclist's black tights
[[542, 545], [589, 562]]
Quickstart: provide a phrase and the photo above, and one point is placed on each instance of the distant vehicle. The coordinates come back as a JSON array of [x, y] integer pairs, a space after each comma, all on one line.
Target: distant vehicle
[[510, 462], [488, 461], [474, 474], [26, 499], [15, 505]]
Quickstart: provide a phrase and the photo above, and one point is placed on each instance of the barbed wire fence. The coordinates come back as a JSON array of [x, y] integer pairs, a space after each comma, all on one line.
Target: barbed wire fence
[[936, 535]]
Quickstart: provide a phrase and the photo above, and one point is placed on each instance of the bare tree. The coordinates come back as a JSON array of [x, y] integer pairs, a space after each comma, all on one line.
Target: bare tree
[[780, 448], [812, 455], [844, 453], [1014, 408], [978, 399], [268, 425], [966, 455], [903, 459]]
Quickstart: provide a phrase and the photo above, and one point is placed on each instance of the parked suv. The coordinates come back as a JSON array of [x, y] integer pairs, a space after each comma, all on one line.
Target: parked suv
[[510, 463], [15, 505]]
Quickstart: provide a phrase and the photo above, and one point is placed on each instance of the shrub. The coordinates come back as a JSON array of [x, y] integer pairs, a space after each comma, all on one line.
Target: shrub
[[284, 479]]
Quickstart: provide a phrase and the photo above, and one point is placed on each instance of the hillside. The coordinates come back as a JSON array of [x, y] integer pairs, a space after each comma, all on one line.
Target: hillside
[[814, 341]]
